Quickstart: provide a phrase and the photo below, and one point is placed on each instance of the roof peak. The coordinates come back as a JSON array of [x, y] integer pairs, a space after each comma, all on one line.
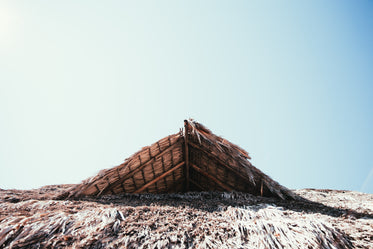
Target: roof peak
[[192, 160]]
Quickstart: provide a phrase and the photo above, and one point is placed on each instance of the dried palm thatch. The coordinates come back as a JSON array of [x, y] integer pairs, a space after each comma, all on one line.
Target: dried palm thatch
[[192, 160], [85, 224]]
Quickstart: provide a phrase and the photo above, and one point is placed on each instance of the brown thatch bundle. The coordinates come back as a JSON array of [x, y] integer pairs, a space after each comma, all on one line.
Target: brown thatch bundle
[[192, 160], [85, 224], [333, 219]]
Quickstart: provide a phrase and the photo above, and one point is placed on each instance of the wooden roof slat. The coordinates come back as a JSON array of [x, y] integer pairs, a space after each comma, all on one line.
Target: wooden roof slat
[[164, 179], [134, 171], [172, 164], [134, 182], [129, 174], [143, 175], [158, 178], [156, 185], [97, 188], [154, 157], [218, 160], [124, 190]]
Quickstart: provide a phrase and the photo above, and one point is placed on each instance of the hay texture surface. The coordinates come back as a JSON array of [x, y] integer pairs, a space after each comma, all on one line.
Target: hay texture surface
[[330, 219]]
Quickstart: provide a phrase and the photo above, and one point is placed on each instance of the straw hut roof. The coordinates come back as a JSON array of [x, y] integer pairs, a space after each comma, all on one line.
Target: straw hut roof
[[193, 159], [329, 219]]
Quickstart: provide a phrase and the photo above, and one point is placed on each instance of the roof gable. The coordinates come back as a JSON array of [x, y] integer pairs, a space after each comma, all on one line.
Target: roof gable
[[194, 159]]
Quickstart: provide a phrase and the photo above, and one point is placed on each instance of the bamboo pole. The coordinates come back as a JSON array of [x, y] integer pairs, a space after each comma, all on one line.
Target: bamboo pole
[[159, 178], [186, 156]]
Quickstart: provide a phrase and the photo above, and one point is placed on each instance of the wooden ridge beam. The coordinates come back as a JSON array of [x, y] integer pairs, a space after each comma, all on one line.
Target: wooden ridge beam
[[186, 151], [159, 178], [211, 177]]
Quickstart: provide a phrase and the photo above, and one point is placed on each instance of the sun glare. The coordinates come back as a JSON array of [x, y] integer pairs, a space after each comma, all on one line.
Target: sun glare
[[8, 25]]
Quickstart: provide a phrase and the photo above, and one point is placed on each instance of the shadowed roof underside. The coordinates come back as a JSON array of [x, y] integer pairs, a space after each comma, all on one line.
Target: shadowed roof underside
[[192, 160]]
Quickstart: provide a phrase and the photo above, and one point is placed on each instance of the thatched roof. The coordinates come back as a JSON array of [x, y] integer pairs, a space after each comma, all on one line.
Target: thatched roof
[[329, 219], [193, 159]]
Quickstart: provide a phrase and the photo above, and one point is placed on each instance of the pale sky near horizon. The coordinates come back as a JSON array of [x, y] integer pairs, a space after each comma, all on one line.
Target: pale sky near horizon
[[85, 84]]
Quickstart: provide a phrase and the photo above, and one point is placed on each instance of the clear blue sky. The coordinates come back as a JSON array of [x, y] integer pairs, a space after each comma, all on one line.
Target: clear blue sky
[[85, 84]]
